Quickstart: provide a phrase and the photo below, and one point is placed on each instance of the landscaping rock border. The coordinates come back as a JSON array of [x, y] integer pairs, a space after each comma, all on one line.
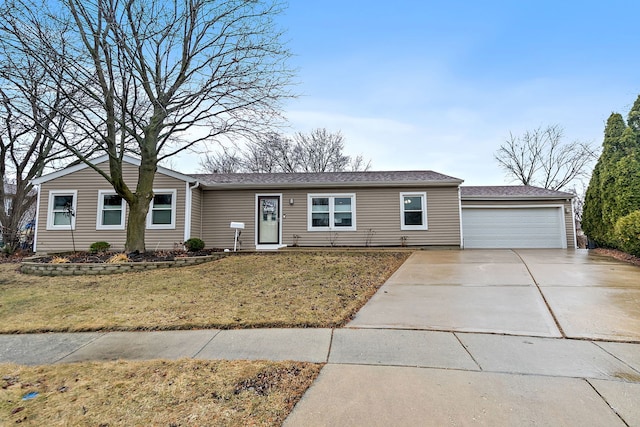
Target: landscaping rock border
[[83, 269]]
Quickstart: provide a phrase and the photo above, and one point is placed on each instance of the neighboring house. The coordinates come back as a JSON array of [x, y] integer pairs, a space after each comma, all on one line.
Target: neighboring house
[[27, 218], [412, 208]]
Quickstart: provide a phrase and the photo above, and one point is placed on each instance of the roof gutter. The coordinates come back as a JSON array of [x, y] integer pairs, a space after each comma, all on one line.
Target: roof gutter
[[366, 184], [567, 196]]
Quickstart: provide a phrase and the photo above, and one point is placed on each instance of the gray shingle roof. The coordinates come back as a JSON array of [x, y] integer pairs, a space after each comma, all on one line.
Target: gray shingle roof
[[384, 178], [511, 192]]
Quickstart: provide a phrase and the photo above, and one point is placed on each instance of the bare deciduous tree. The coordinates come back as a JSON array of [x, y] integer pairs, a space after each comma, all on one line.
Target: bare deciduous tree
[[317, 151], [151, 72], [30, 123], [542, 158]]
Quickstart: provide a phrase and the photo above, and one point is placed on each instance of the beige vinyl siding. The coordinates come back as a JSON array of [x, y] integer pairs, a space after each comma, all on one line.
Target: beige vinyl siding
[[568, 212], [219, 209], [196, 213], [377, 209], [87, 182]]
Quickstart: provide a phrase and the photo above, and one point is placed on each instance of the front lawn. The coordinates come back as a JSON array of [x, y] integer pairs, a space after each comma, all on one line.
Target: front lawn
[[286, 289], [153, 393]]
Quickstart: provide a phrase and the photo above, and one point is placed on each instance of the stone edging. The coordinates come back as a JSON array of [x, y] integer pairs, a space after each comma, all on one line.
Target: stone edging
[[82, 269]]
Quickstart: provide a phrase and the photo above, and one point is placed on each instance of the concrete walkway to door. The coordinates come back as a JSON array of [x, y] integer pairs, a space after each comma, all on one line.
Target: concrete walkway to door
[[515, 315]]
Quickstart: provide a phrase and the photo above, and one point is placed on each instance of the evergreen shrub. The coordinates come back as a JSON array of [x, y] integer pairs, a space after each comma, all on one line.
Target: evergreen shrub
[[627, 233]]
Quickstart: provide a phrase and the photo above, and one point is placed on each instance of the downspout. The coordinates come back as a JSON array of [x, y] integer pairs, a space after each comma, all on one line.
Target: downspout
[[36, 224], [187, 210], [460, 217], [573, 223]]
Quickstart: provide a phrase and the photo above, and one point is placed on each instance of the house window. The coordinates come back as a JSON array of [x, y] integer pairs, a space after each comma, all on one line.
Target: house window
[[111, 211], [62, 210], [413, 211], [162, 210], [332, 212]]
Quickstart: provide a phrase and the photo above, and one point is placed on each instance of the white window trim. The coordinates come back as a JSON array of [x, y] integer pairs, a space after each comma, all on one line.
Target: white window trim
[[424, 211], [99, 224], [332, 197], [52, 194], [174, 197]]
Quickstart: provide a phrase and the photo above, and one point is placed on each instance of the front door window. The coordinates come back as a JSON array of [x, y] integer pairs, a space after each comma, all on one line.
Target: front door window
[[268, 220]]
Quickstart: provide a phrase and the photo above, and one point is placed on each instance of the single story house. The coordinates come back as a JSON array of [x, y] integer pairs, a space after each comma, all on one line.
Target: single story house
[[401, 208]]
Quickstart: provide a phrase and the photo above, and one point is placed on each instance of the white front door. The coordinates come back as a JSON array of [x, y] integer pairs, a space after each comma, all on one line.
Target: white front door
[[268, 220]]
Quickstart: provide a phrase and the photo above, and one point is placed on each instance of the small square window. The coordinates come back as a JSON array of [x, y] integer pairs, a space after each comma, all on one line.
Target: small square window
[[111, 211], [162, 210], [62, 210], [413, 211]]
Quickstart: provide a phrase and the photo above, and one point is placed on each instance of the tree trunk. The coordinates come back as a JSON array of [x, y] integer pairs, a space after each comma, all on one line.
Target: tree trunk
[[136, 226], [10, 236], [139, 206]]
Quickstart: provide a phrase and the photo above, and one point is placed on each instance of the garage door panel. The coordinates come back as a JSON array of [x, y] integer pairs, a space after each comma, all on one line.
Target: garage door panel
[[513, 228]]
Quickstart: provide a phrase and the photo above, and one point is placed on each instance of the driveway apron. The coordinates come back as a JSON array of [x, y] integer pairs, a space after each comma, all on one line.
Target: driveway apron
[[489, 291], [591, 296], [449, 371]]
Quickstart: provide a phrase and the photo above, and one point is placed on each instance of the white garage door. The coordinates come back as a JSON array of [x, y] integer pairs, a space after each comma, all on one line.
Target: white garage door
[[513, 227]]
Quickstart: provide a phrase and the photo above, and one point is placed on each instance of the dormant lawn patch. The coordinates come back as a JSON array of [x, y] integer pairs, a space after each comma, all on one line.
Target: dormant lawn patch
[[162, 393], [289, 289]]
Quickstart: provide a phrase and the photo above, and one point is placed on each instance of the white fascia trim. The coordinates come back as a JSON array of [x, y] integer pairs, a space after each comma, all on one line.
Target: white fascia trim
[[511, 206], [62, 172], [173, 174], [127, 159]]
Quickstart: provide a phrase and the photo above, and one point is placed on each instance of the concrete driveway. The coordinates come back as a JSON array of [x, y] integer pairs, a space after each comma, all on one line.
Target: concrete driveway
[[482, 337], [544, 293]]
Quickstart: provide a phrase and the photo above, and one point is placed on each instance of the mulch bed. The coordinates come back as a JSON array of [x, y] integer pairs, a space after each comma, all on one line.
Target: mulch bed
[[149, 256], [619, 255]]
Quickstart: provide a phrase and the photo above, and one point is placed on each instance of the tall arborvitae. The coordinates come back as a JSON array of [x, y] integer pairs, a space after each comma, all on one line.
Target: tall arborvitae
[[614, 189], [593, 222]]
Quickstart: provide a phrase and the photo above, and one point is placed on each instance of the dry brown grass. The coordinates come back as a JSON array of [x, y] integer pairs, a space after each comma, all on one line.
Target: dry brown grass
[[289, 289], [154, 393]]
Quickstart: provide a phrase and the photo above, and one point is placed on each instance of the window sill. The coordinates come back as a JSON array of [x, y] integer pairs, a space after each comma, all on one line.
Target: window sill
[[161, 227], [336, 229]]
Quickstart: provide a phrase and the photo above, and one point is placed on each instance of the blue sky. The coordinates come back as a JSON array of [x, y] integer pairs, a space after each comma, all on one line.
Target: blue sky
[[440, 85]]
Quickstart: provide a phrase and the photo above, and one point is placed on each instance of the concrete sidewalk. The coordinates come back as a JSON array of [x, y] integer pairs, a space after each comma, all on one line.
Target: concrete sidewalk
[[395, 376]]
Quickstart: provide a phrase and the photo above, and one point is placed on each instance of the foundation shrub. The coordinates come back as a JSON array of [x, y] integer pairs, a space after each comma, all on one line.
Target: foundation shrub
[[627, 233], [194, 244], [97, 247]]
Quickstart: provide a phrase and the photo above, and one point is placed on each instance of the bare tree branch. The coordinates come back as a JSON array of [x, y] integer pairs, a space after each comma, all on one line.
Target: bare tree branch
[[154, 78], [30, 125], [317, 151], [542, 158]]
